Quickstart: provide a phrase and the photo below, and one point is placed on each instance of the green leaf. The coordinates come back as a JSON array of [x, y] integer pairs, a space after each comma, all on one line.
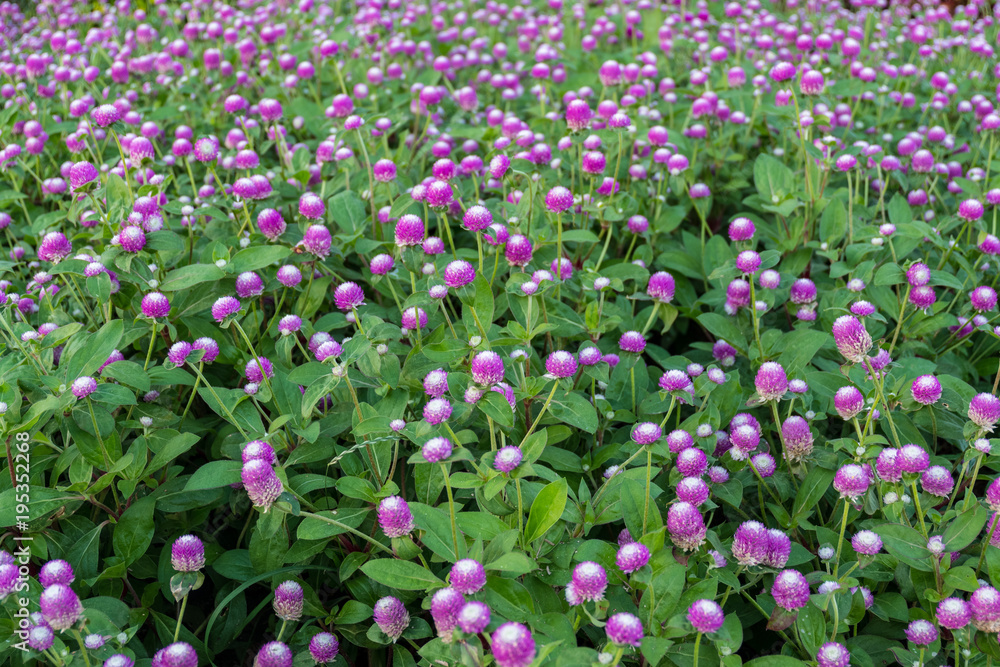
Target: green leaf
[[494, 405], [906, 544], [258, 257], [119, 203], [401, 574], [773, 180], [633, 504], [965, 528], [775, 661], [833, 223], [115, 394], [93, 351], [575, 410], [213, 475], [188, 276], [348, 211], [724, 328], [546, 509], [813, 487], [316, 529], [128, 373], [134, 532]]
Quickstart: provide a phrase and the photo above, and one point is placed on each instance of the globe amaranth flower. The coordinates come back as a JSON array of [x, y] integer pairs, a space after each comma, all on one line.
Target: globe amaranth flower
[[262, 483], [187, 554], [56, 572], [224, 307], [984, 410], [866, 543], [851, 481], [446, 603], [588, 583], [632, 557], [317, 240], [686, 526], [790, 590], [437, 410], [507, 459], [467, 576], [288, 600], [487, 368], [391, 617], [348, 296], [771, 381], [155, 305], [624, 629], [852, 339], [178, 654], [706, 616], [436, 449], [473, 617], [848, 402], [513, 645], [661, 287], [84, 386], [921, 632], [937, 481], [394, 517], [273, 654], [60, 607], [750, 543], [323, 648], [257, 369], [953, 613], [832, 654], [459, 273], [692, 462], [926, 390], [561, 364], [913, 458]]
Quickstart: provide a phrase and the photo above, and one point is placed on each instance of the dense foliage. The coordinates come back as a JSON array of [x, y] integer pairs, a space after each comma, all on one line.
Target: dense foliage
[[499, 333]]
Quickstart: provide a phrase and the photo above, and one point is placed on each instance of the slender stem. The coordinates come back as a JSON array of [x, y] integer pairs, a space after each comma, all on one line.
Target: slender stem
[[972, 484], [334, 522], [916, 504], [986, 544], [152, 343], [97, 434], [222, 405], [555, 385], [281, 632], [697, 645], [180, 617], [83, 647], [754, 319], [652, 316], [840, 540], [649, 470], [451, 506]]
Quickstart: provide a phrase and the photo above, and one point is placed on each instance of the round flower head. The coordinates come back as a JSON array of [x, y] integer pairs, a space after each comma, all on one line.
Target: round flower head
[[513, 645], [848, 402], [851, 481], [445, 605], [459, 273], [507, 459], [852, 339], [624, 629], [561, 364], [812, 82], [632, 341], [646, 433], [748, 262], [289, 275], [206, 149], [323, 648], [578, 115], [83, 386], [436, 449], [692, 462], [256, 372], [473, 617], [187, 554], [798, 437], [937, 481], [55, 572], [993, 495], [467, 576], [984, 410], [693, 490], [179, 654], [913, 459], [741, 229], [559, 199], [985, 606], [706, 616], [437, 410], [632, 557], [105, 115], [779, 548], [262, 483], [436, 383], [983, 298], [832, 654], [409, 231], [921, 632], [288, 600], [970, 209], [273, 654], [348, 296], [317, 241], [155, 305], [414, 317], [394, 517], [661, 287], [750, 543], [782, 71], [41, 638], [953, 613], [487, 368], [60, 607], [477, 218], [686, 526], [391, 617], [224, 307], [589, 581], [790, 590], [771, 381], [258, 450], [866, 543], [926, 390]]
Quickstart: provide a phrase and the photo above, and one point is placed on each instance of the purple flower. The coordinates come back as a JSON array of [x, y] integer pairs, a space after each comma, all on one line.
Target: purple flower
[[436, 449], [937, 481], [771, 381], [507, 458], [750, 543], [692, 462], [155, 305], [848, 402], [926, 390], [984, 410], [187, 554], [632, 557], [866, 543], [437, 410], [178, 654], [394, 517], [632, 341], [317, 241], [686, 526], [561, 364], [851, 481], [459, 273], [921, 632], [56, 572], [273, 654], [589, 581], [60, 606], [348, 296], [624, 629], [391, 617], [467, 576], [256, 372], [852, 339], [487, 368], [913, 458], [661, 287], [513, 645], [224, 307], [473, 617], [323, 648], [262, 483], [41, 638], [706, 616], [288, 600], [953, 613], [84, 386], [409, 231], [832, 654], [790, 590], [446, 603]]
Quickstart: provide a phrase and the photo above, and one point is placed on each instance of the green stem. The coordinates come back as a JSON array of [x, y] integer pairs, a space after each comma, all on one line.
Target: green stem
[[83, 647], [555, 385], [840, 540], [451, 506], [697, 645], [180, 617], [152, 343]]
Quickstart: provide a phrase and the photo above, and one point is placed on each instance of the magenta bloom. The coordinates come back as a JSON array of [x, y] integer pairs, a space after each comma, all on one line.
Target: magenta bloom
[[348, 296], [487, 368], [446, 603], [459, 273], [926, 390], [60, 606], [187, 554], [851, 481], [953, 613], [513, 645], [686, 526], [317, 241], [832, 654], [391, 617], [921, 632], [54, 247], [262, 483], [771, 381], [706, 616], [288, 601], [467, 576], [790, 590], [984, 410], [852, 339], [632, 557], [323, 648], [56, 572], [83, 386], [224, 307], [394, 517], [624, 629], [178, 654]]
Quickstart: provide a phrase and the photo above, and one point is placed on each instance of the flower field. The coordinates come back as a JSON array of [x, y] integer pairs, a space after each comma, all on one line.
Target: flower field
[[491, 333]]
